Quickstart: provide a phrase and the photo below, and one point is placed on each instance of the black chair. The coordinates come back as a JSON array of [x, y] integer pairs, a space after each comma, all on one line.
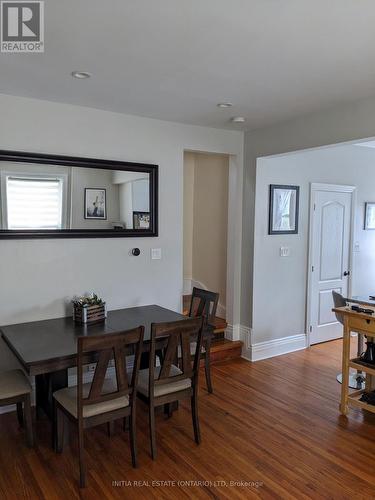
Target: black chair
[[204, 304], [356, 380]]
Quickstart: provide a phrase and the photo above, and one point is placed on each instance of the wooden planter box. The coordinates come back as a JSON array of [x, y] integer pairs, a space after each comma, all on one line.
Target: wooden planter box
[[89, 314]]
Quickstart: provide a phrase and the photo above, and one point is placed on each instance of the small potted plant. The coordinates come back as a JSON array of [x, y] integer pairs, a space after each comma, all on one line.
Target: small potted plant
[[89, 309]]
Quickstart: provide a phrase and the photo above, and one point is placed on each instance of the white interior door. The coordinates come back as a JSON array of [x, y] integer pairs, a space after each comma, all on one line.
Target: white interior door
[[330, 233]]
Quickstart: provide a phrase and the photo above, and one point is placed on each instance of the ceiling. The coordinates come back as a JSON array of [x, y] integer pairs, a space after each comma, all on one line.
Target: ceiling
[[176, 59]]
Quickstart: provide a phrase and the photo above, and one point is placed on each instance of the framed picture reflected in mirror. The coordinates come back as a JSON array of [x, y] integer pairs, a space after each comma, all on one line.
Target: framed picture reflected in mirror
[[141, 220], [283, 209], [95, 204]]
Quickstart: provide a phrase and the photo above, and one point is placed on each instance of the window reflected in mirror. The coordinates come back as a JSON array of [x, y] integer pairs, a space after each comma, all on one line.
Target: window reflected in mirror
[[52, 197]]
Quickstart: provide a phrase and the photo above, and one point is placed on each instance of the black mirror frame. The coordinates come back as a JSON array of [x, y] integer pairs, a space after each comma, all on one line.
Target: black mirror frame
[[72, 161]]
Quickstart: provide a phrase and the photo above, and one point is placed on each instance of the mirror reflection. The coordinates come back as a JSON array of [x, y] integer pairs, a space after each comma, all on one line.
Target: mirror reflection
[[51, 197]]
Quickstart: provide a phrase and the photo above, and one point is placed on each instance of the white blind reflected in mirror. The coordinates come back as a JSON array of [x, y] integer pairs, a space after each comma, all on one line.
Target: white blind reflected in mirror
[[34, 203]]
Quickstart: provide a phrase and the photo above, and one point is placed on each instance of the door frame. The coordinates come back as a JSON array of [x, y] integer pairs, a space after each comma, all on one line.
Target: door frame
[[234, 240], [337, 188]]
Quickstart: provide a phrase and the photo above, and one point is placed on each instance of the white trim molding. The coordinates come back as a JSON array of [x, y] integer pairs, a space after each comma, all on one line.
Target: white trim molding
[[232, 332], [277, 347], [245, 336], [239, 332]]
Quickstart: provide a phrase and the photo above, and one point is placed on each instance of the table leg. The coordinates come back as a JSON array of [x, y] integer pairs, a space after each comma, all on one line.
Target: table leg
[[345, 368], [45, 386]]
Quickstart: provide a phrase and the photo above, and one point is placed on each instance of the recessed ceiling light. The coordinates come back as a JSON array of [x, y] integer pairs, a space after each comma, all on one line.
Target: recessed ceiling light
[[81, 75], [224, 105], [238, 119]]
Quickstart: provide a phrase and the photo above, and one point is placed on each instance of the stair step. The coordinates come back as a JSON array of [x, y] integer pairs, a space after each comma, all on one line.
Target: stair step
[[223, 350], [219, 323]]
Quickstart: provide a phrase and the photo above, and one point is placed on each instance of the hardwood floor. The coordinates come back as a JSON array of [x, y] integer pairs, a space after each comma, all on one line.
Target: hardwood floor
[[275, 422]]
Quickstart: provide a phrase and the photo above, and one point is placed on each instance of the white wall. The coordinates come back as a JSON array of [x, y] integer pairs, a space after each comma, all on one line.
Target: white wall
[[93, 178], [140, 195], [39, 277], [347, 122], [280, 283], [126, 204]]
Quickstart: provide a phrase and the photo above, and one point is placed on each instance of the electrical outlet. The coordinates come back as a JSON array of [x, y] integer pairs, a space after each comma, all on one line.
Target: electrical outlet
[[284, 251]]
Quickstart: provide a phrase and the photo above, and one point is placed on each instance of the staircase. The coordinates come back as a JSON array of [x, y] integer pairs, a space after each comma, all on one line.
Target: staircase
[[221, 348]]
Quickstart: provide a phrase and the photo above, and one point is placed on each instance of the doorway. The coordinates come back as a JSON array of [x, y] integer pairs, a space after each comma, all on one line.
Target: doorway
[[330, 258], [206, 185]]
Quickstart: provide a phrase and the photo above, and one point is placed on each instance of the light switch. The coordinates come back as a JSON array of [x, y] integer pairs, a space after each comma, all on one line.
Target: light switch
[[155, 253], [356, 246], [284, 251]]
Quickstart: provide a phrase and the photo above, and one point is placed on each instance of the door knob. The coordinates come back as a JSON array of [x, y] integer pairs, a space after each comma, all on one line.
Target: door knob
[[346, 273]]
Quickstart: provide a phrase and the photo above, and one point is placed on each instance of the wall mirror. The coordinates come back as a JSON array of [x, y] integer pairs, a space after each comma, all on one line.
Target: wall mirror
[[48, 196]]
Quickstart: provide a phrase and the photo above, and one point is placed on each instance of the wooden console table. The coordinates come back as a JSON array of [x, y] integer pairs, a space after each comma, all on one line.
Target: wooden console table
[[364, 324]]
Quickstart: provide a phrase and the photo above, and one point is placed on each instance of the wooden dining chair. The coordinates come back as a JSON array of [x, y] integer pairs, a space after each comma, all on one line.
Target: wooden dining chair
[[16, 389], [204, 303], [165, 384], [103, 400]]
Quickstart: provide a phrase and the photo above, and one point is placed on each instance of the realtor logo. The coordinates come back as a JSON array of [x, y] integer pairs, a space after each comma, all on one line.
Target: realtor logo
[[22, 26]]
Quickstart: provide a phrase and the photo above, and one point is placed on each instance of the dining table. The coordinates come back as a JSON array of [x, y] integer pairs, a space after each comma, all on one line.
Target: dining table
[[47, 349]]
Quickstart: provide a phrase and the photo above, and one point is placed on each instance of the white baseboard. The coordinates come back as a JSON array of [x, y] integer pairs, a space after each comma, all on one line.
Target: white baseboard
[[276, 347], [238, 332], [231, 332], [190, 283], [245, 336]]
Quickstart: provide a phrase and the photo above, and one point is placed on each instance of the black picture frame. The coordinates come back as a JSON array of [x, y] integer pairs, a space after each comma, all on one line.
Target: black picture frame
[[73, 161], [137, 215], [271, 228], [95, 217]]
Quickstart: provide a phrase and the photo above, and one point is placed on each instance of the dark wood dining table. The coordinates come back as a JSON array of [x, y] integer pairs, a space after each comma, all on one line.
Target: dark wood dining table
[[46, 349]]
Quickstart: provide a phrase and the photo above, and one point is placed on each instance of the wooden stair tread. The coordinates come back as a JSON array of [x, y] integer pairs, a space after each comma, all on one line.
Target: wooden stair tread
[[224, 350], [219, 323], [223, 345]]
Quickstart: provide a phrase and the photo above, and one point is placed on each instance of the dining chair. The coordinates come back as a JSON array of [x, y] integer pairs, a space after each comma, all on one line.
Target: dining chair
[[204, 303], [356, 381], [167, 383], [16, 389], [103, 400]]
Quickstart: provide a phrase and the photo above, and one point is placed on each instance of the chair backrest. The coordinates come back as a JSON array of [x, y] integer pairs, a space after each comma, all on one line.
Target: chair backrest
[[104, 348], [203, 303], [339, 301], [174, 335]]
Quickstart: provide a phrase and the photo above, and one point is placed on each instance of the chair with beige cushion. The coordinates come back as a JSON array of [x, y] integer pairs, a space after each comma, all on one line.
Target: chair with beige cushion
[[103, 400], [16, 389], [167, 383]]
